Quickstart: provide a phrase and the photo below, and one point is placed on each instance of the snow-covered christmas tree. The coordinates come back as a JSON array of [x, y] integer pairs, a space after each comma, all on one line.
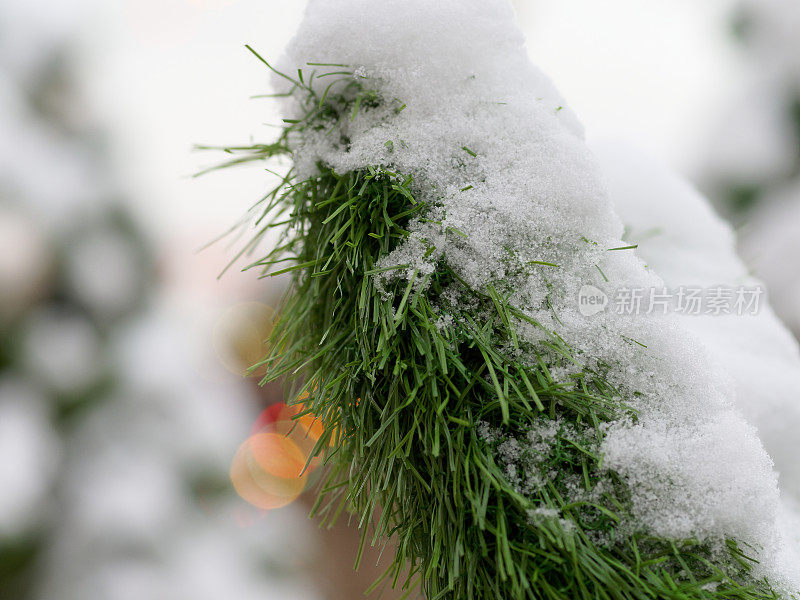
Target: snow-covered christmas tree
[[456, 250]]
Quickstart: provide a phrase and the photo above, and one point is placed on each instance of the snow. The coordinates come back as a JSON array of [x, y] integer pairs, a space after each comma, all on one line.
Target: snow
[[479, 114], [759, 148], [770, 30], [755, 141], [694, 246], [103, 271], [26, 435], [62, 350], [72, 189], [770, 245], [758, 353]]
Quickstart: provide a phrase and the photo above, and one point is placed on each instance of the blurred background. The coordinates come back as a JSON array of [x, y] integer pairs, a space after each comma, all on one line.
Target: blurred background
[[131, 443]]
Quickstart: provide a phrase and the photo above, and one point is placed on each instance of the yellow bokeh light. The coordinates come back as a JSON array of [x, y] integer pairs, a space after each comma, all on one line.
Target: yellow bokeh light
[[240, 336]]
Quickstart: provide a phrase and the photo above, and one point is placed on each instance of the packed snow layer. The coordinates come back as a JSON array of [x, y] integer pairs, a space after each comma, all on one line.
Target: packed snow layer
[[692, 246], [478, 114]]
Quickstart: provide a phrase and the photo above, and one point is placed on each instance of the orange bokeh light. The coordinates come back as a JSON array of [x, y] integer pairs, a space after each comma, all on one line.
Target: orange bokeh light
[[266, 471], [271, 469]]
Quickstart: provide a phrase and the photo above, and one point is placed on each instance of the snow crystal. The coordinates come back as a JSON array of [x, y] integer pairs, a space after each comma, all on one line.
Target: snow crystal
[[495, 151], [523, 461]]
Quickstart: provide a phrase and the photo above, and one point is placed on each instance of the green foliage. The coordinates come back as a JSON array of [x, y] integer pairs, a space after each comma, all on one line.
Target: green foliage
[[407, 381]]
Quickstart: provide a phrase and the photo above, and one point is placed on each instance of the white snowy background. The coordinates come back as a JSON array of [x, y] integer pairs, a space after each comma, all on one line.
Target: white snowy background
[[156, 76]]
